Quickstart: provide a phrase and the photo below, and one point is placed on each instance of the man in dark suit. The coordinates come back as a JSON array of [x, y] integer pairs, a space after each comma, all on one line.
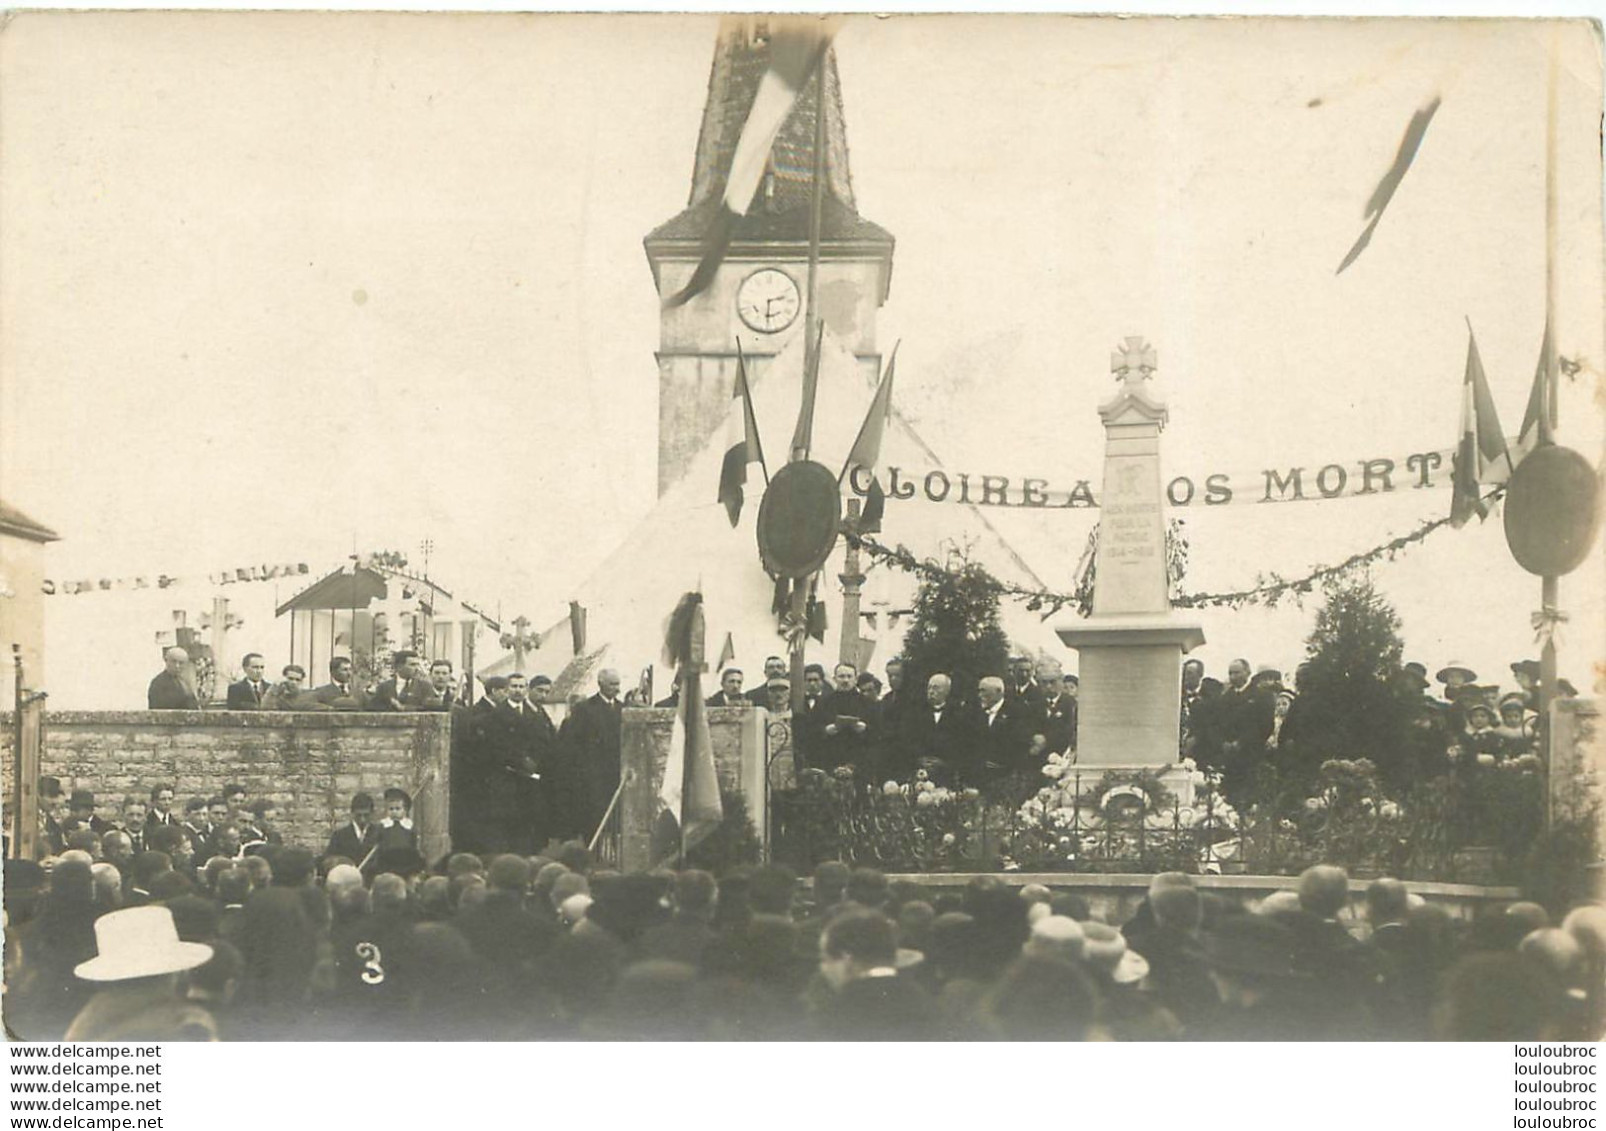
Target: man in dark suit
[[356, 839], [248, 693], [942, 729], [594, 734], [132, 821], [481, 786], [528, 739], [341, 693], [1007, 732], [161, 811], [1059, 716], [52, 800], [167, 691], [839, 727], [892, 719], [443, 682], [730, 690], [197, 829], [1023, 684], [774, 668], [407, 690], [870, 1000]]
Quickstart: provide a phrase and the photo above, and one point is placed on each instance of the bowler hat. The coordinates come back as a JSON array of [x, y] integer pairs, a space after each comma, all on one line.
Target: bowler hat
[[139, 942], [49, 787], [1418, 673], [1456, 667], [1526, 667], [81, 799]]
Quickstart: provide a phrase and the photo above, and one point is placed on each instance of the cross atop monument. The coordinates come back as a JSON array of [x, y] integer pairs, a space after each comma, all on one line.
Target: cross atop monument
[[1135, 361]]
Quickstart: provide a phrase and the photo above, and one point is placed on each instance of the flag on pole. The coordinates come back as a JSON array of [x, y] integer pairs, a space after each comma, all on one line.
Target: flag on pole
[[1415, 131], [1540, 419], [866, 453], [744, 447], [795, 49], [690, 789], [803, 434], [1481, 457]]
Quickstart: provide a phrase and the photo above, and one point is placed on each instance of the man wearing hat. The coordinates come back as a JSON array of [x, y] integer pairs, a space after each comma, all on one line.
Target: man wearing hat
[[51, 840], [1456, 677], [138, 957], [81, 808]]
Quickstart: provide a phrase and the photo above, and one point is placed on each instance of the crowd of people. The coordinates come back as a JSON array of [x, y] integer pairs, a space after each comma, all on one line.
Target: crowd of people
[[283, 945], [146, 920], [1256, 716], [521, 779]]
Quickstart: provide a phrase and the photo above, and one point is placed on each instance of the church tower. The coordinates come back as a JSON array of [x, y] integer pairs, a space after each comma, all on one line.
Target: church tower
[[757, 296]]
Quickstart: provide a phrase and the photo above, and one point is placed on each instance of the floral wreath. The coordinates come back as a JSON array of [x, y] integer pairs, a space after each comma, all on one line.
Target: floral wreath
[[1144, 785]]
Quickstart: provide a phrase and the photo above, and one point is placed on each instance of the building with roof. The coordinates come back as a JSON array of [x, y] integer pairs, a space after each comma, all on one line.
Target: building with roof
[[365, 610]]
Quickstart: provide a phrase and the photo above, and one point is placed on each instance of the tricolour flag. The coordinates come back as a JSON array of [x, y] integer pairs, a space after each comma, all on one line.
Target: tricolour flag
[[690, 790], [796, 46], [866, 453], [743, 448], [1540, 420], [1481, 457]]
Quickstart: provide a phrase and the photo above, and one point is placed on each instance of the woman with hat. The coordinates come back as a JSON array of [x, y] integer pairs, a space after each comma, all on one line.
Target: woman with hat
[[1456, 677], [137, 962]]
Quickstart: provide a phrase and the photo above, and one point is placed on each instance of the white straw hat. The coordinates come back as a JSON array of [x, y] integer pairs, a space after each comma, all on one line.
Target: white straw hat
[[139, 942]]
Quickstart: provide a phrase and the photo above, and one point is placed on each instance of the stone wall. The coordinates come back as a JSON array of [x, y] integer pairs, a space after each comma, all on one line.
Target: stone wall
[[1115, 896], [738, 737], [308, 763]]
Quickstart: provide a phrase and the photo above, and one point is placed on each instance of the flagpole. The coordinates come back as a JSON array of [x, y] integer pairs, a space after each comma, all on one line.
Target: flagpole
[[1549, 584], [811, 362], [811, 353]]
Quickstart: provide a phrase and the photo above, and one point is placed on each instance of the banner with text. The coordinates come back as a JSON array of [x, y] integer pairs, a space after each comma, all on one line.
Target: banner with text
[[1376, 477]]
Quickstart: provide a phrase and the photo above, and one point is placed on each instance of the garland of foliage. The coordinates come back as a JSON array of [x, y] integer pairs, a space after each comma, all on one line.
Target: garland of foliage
[[1269, 588]]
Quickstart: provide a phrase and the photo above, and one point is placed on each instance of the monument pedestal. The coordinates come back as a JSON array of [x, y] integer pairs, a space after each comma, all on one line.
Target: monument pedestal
[[1130, 696]]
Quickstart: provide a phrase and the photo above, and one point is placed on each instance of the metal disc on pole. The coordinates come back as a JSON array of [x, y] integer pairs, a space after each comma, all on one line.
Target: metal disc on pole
[[1552, 511], [799, 519]]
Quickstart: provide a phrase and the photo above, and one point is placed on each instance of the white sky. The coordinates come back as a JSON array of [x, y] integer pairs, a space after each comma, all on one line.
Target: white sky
[[274, 286]]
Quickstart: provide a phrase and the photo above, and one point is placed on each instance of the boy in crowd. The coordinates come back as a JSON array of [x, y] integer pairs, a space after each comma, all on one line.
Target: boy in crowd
[[356, 839]]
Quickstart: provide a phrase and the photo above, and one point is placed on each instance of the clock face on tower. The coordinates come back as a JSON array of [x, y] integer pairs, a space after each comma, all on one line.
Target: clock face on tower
[[767, 300]]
